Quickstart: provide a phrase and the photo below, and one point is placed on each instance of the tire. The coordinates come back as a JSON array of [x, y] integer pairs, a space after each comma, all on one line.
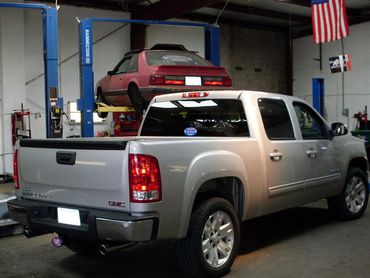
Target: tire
[[136, 99], [100, 98], [352, 202], [215, 258]]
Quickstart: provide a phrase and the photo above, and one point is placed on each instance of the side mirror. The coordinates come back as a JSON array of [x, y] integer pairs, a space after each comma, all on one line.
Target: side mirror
[[111, 72], [339, 129]]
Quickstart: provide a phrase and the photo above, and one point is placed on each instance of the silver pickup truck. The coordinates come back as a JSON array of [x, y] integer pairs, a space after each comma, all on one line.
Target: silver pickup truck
[[203, 162]]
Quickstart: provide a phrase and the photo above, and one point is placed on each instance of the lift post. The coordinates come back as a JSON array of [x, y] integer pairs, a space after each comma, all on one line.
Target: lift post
[[50, 45], [86, 102]]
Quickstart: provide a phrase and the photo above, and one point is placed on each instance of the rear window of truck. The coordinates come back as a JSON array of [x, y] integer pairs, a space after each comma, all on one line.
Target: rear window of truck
[[194, 118]]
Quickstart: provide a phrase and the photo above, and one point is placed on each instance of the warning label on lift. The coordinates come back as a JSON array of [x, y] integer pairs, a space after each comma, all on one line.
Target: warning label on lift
[[87, 46]]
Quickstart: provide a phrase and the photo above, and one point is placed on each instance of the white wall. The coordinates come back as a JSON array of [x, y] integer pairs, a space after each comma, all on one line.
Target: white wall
[[356, 82], [21, 58], [13, 76]]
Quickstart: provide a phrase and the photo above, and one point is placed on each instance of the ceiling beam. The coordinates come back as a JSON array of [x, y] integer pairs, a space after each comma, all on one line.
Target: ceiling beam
[[167, 9], [235, 22], [261, 12]]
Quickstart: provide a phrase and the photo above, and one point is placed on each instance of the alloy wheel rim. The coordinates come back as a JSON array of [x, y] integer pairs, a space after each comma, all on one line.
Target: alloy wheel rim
[[218, 239], [355, 194]]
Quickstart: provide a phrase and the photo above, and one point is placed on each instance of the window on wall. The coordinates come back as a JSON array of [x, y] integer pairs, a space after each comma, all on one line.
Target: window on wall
[[276, 119], [75, 116], [311, 125]]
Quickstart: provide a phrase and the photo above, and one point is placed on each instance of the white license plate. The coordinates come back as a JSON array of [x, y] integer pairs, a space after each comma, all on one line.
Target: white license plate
[[69, 216], [193, 81]]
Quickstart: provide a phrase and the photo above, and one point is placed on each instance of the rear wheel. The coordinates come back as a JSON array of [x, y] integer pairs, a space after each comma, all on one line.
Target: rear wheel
[[352, 202], [136, 98], [100, 98], [212, 242]]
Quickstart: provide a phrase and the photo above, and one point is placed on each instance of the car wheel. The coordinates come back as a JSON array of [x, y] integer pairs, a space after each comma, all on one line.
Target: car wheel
[[212, 242], [100, 98], [352, 202], [136, 99]]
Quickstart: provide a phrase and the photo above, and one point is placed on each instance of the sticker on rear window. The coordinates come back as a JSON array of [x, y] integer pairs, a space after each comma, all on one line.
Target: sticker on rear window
[[177, 58], [190, 131]]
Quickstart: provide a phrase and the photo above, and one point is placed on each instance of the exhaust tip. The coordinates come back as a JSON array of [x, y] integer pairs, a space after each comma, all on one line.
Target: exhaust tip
[[103, 249], [27, 233], [57, 241]]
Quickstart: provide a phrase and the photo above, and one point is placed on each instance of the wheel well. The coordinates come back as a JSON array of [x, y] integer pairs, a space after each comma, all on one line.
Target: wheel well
[[229, 188], [359, 162], [131, 84]]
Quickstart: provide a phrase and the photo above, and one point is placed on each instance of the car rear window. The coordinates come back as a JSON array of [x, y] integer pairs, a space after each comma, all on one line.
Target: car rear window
[[158, 58], [194, 118]]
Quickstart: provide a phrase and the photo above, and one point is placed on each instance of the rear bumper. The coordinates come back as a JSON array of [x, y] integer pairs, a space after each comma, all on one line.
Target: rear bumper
[[96, 225]]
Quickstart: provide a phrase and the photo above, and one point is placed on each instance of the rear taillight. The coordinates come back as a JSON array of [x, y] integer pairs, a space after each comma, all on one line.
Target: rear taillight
[[217, 81], [167, 80], [145, 179], [15, 169]]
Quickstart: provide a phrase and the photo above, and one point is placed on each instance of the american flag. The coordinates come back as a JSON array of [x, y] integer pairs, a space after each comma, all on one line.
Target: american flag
[[329, 20]]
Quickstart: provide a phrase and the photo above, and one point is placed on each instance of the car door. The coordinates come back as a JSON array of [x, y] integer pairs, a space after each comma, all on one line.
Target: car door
[[285, 160], [321, 153], [115, 85]]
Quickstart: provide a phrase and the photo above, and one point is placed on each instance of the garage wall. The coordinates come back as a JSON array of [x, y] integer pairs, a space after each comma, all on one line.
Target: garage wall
[[12, 78], [356, 82], [191, 37], [21, 57], [255, 59]]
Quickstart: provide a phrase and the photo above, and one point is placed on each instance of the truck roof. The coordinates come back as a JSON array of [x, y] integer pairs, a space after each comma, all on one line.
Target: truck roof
[[218, 94]]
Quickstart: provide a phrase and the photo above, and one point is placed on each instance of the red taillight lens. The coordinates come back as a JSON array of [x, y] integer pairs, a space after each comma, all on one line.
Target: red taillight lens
[[217, 81], [166, 80], [156, 80], [227, 82], [145, 179], [174, 82], [213, 83], [15, 169]]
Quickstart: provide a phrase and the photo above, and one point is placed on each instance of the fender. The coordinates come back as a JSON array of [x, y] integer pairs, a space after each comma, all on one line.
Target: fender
[[204, 167]]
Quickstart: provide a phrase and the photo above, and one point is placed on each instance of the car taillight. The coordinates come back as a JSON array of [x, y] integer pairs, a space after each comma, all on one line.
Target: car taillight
[[217, 81], [145, 179], [15, 170], [167, 80], [156, 80]]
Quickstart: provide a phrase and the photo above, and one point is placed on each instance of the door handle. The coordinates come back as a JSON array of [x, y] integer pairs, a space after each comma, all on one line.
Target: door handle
[[276, 156], [311, 153]]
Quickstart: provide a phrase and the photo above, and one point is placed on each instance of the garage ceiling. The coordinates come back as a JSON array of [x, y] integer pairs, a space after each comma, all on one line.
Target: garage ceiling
[[292, 16]]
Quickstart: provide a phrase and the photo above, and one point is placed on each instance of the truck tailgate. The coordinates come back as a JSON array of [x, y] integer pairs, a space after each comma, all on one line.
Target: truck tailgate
[[78, 172]]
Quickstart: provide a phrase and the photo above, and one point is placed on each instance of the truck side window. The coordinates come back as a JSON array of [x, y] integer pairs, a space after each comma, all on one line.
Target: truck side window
[[311, 125], [276, 119]]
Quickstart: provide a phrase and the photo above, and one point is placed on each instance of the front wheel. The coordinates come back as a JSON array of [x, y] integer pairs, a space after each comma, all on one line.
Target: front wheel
[[352, 203], [213, 239]]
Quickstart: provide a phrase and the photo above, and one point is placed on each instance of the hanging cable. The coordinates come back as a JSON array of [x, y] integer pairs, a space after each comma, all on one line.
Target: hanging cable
[[218, 16]]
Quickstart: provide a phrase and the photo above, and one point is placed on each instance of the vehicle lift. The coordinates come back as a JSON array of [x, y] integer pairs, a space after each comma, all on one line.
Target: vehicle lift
[[86, 103], [53, 103]]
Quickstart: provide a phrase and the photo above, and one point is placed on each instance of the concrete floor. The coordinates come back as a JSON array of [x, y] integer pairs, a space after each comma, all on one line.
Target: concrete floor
[[301, 242]]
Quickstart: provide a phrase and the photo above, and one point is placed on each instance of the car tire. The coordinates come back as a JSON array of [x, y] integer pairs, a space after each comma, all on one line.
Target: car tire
[[136, 99], [352, 202], [100, 98], [209, 249]]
